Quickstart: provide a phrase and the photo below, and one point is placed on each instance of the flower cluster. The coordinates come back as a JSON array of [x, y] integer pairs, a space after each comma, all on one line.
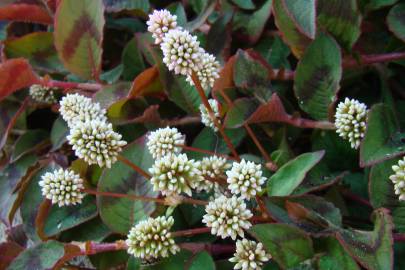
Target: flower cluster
[[206, 119], [159, 23], [350, 121], [249, 255], [181, 52], [227, 217], [245, 178], [77, 108], [208, 72], [174, 174], [151, 239], [398, 179], [43, 94], [165, 141], [96, 142], [62, 187], [212, 168]]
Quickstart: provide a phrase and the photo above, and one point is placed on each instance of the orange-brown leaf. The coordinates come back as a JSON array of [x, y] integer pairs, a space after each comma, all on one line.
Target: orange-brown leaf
[[14, 75], [42, 215], [8, 251], [225, 79], [25, 13], [144, 83]]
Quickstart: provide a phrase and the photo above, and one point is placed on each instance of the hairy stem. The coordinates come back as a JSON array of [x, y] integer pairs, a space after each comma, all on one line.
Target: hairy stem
[[94, 87], [191, 232], [207, 105], [190, 148], [133, 166]]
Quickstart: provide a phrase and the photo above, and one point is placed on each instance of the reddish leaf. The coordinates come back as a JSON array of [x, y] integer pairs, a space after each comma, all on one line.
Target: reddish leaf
[[10, 124], [146, 82], [225, 78], [14, 75], [42, 215], [274, 111], [25, 13], [8, 251]]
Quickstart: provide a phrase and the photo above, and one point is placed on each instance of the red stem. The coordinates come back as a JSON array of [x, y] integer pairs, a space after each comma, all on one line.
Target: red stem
[[133, 166], [353, 197], [120, 195], [215, 249], [191, 232], [398, 237], [372, 59], [94, 87], [190, 148], [207, 105]]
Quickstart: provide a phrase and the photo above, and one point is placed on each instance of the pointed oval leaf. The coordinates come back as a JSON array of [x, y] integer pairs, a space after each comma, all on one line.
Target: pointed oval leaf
[[396, 21], [78, 36], [291, 174], [120, 214], [287, 245], [383, 139], [317, 77], [303, 13], [25, 13]]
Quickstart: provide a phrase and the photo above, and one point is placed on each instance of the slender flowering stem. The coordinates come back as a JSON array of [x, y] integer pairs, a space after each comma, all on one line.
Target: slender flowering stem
[[143, 198], [94, 87], [215, 249], [353, 197], [266, 156], [181, 121], [365, 60], [133, 166], [191, 232], [199, 150], [207, 105], [128, 196], [398, 237]]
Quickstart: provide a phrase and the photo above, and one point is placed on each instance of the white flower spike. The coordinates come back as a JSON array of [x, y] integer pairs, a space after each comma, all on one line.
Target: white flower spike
[[351, 120], [181, 52], [96, 142], [42, 94], [77, 108], [211, 168], [164, 142], [245, 179], [398, 179], [62, 187], [205, 116], [227, 217], [151, 239], [160, 22], [209, 71], [249, 255], [174, 174]]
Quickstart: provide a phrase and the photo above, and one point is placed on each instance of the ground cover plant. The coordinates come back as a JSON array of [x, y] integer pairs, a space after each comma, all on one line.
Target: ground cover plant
[[202, 134]]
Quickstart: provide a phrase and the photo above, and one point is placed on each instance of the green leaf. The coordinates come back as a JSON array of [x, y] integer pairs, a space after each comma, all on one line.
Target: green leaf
[[373, 250], [287, 245], [112, 94], [382, 140], [244, 4], [317, 77], [240, 111], [291, 174], [342, 19], [257, 21], [42, 256], [120, 214], [202, 17], [28, 142], [58, 133], [396, 21], [132, 60], [291, 34], [207, 139], [78, 36], [62, 218], [174, 262], [92, 230], [303, 14], [38, 48], [112, 75], [10, 177], [119, 5], [202, 260], [31, 202], [377, 4], [178, 10], [219, 36], [382, 193], [336, 258]]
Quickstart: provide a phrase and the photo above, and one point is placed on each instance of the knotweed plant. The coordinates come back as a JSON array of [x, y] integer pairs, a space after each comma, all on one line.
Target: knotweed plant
[[202, 134]]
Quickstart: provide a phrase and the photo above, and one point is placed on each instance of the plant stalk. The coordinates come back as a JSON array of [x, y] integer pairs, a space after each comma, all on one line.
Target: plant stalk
[[207, 105], [133, 166]]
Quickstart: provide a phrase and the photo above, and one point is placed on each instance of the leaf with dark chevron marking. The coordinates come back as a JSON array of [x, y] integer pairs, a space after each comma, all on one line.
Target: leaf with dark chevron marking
[[78, 36], [317, 77]]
